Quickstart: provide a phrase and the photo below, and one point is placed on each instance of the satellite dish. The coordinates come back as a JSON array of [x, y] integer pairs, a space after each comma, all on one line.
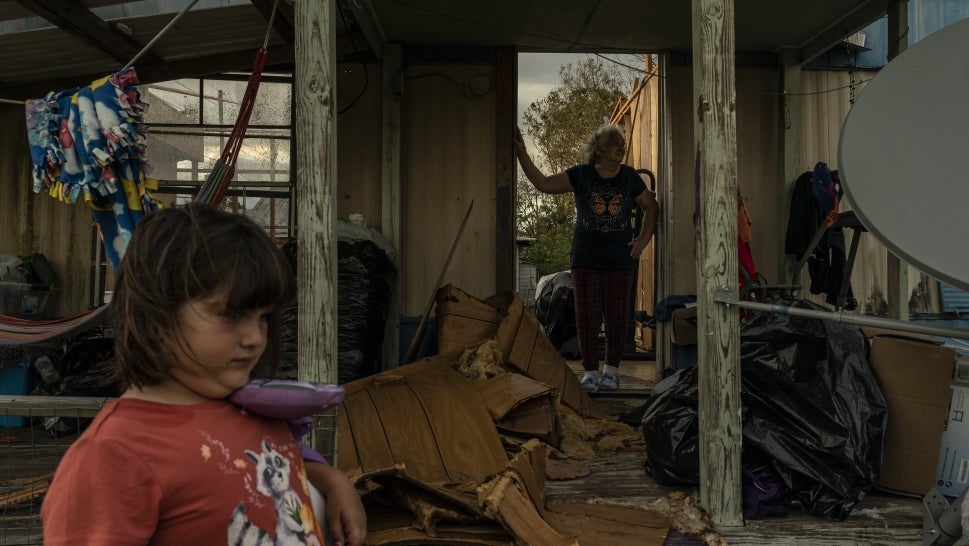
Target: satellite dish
[[904, 155]]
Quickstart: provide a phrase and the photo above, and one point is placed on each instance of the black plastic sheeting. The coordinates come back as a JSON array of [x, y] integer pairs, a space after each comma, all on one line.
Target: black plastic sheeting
[[365, 280], [555, 308], [79, 367], [811, 404]]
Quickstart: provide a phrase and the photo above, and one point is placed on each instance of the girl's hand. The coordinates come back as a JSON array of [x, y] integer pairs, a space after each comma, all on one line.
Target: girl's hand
[[346, 519]]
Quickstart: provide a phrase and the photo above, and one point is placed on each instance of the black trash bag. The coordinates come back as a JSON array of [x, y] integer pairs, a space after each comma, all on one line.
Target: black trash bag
[[365, 280], [671, 430], [811, 405], [555, 307], [289, 344], [82, 363]]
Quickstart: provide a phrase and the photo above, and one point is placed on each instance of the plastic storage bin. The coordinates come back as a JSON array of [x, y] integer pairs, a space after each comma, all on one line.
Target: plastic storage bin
[[14, 380], [28, 301]]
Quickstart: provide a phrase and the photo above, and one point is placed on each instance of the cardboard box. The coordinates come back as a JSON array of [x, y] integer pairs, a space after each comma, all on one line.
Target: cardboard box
[[914, 373], [952, 472], [684, 326]]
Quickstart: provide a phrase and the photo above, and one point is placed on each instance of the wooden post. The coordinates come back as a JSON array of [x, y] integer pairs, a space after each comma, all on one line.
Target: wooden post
[[506, 255], [315, 95], [715, 127], [390, 196], [663, 242], [897, 270]]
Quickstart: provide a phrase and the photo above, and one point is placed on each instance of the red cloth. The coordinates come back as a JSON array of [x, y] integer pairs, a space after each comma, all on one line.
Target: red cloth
[[150, 473]]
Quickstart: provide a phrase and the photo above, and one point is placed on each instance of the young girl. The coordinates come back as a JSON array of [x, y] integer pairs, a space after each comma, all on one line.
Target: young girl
[[196, 308]]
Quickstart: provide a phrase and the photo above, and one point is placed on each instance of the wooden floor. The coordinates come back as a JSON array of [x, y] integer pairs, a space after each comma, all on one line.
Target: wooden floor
[[881, 519], [26, 454]]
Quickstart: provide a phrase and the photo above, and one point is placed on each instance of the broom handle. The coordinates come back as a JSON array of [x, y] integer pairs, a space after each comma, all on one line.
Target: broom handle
[[419, 334]]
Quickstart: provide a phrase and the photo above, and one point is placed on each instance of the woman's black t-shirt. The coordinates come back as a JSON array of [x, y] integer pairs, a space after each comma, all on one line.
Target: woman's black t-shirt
[[604, 208]]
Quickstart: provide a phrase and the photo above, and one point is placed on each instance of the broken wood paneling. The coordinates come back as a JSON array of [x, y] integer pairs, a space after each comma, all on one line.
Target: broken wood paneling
[[424, 415]]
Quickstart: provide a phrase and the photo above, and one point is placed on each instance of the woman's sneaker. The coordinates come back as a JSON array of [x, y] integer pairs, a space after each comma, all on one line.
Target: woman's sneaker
[[609, 382], [589, 383]]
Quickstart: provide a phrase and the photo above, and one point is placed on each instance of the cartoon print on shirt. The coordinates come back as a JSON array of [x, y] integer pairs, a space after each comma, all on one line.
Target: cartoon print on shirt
[[606, 202], [295, 522]]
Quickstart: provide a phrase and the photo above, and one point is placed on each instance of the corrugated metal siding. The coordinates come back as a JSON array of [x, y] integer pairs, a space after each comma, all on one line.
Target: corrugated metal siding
[[954, 300], [527, 281]]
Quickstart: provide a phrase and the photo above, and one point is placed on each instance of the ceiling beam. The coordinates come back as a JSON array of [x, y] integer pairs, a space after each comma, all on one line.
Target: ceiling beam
[[282, 54], [373, 32], [279, 56], [75, 19], [836, 33], [593, 16], [283, 21]]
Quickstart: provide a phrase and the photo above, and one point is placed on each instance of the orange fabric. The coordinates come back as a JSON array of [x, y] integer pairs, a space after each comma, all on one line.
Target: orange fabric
[[150, 473]]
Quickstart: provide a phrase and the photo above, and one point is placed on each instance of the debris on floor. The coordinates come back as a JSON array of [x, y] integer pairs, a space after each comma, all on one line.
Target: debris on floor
[[456, 448]]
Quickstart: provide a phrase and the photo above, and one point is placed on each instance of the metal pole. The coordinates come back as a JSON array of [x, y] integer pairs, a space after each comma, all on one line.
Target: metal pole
[[847, 318]]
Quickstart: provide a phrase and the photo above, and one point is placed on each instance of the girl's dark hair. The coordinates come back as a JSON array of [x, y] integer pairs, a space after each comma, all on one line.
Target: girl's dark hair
[[185, 253]]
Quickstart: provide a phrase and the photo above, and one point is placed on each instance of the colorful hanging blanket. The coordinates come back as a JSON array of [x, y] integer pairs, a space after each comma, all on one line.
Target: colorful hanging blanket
[[89, 143]]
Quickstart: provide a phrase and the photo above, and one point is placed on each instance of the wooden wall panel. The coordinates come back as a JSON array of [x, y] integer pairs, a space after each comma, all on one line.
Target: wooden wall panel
[[358, 125], [758, 151], [759, 166], [827, 101], [640, 119], [448, 160], [681, 196], [31, 223]]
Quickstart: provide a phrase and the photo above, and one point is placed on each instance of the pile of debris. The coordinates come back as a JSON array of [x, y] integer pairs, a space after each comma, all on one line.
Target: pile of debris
[[455, 448]]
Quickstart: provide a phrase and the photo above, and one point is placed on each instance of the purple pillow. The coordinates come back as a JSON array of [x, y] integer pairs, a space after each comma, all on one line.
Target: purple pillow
[[286, 399]]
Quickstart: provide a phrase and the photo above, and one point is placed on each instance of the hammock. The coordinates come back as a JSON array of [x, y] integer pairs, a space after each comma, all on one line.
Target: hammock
[[115, 228]]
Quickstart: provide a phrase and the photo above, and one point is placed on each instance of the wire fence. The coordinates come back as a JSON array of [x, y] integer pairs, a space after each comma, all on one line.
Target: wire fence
[[35, 431]]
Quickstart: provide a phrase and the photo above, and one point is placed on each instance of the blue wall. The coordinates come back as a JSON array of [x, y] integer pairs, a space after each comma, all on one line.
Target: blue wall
[[924, 18]]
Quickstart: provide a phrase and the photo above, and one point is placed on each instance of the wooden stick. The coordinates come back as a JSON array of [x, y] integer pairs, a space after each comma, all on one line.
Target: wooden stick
[[29, 490], [419, 334]]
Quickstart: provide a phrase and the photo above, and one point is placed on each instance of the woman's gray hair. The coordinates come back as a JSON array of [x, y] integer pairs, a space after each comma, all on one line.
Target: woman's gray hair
[[591, 149]]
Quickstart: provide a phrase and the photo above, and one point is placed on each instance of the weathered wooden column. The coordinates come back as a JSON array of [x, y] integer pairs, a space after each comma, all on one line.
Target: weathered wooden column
[[715, 127], [506, 253], [315, 94], [393, 79]]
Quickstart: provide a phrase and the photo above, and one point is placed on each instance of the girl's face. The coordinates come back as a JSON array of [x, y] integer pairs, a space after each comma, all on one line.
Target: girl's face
[[223, 349]]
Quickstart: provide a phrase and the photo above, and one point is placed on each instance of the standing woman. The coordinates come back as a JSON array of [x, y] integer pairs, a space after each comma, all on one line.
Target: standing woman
[[605, 249]]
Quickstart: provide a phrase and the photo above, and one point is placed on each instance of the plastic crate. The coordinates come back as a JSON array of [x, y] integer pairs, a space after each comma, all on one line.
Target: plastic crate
[[14, 380], [28, 301]]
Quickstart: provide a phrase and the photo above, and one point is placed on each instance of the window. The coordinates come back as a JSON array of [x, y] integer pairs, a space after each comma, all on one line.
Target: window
[[189, 122]]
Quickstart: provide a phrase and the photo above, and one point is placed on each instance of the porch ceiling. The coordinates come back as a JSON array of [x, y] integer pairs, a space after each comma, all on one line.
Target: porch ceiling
[[79, 45]]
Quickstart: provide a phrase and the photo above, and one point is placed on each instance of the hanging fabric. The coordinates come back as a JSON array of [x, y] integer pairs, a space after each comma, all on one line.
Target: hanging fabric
[[88, 144], [217, 182]]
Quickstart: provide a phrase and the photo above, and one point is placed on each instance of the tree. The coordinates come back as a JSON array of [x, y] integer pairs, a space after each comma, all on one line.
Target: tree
[[559, 125]]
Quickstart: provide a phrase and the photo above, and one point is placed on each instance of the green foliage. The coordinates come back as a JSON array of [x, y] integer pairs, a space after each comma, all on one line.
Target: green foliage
[[560, 124]]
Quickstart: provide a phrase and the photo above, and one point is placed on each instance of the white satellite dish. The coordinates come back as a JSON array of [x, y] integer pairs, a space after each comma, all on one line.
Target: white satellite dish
[[904, 155]]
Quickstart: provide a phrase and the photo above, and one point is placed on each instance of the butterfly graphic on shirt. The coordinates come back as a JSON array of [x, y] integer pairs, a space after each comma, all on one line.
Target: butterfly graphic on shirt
[[600, 205]]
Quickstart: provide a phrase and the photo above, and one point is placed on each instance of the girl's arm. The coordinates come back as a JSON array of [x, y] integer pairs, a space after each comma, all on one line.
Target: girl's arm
[[346, 519]]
